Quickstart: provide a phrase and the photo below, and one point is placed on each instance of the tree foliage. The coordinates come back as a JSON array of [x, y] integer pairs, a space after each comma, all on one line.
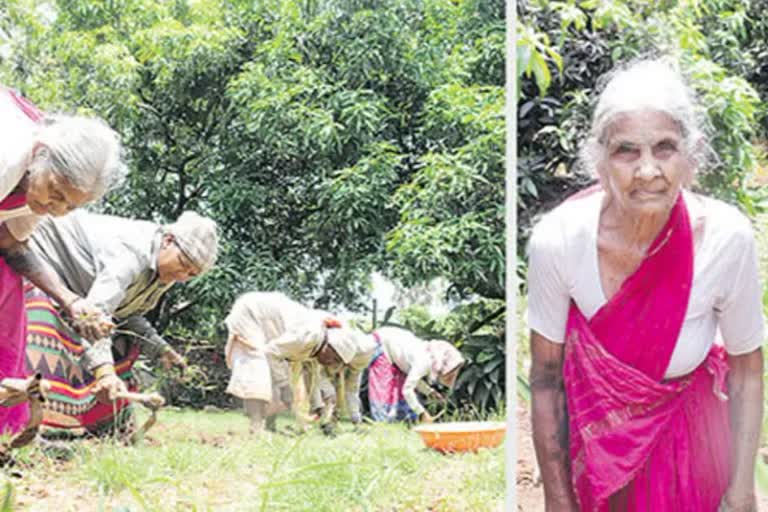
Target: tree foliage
[[564, 47]]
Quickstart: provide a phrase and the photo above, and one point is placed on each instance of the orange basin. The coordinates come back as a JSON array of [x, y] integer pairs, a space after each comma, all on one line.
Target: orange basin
[[463, 436]]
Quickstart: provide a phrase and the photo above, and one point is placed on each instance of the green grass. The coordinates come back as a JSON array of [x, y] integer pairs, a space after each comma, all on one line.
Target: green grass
[[206, 461]]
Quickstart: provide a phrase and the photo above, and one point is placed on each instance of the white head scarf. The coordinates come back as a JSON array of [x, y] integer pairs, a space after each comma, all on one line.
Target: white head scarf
[[445, 358], [197, 238], [344, 341]]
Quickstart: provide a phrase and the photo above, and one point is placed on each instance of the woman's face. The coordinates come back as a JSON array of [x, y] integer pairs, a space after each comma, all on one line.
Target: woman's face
[[645, 163], [173, 266], [48, 193], [449, 379], [327, 356]]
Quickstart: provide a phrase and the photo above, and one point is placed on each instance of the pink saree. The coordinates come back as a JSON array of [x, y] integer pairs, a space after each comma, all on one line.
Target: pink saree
[[13, 318], [637, 441], [13, 331]]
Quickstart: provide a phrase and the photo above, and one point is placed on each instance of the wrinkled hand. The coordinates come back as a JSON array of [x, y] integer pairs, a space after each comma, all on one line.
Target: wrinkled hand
[[315, 414], [436, 395], [426, 418], [738, 502], [89, 321], [172, 358], [328, 430], [107, 388]]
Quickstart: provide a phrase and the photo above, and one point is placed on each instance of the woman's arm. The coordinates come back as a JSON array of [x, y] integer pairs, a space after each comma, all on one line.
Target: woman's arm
[[147, 336], [25, 263], [426, 390], [152, 343], [328, 393], [550, 423], [412, 381], [745, 399], [742, 325]]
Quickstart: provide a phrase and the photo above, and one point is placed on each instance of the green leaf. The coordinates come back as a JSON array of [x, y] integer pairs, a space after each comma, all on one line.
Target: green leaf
[[7, 505], [523, 389], [541, 72], [492, 365], [761, 474]]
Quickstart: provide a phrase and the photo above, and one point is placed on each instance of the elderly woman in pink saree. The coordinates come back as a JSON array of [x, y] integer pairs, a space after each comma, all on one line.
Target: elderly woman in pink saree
[[635, 407], [48, 166]]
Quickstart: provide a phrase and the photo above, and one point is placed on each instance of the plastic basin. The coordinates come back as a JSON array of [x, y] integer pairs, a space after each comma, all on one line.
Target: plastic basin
[[463, 436]]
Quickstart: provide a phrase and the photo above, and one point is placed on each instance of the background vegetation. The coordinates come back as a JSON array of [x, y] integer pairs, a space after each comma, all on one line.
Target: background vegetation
[[564, 47]]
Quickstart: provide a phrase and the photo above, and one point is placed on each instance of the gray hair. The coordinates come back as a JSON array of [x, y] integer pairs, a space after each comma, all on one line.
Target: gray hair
[[197, 237], [85, 151], [655, 84]]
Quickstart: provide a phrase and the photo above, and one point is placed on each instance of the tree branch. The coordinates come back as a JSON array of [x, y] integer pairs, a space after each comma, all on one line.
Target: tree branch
[[488, 319]]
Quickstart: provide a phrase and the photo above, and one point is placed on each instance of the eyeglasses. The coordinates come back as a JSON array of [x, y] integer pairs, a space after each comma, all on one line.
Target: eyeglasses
[[185, 261]]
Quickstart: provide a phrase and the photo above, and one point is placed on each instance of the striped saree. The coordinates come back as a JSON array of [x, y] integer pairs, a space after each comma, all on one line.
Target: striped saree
[[55, 350]]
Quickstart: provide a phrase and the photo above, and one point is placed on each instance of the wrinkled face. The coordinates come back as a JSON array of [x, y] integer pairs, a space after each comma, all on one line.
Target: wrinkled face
[[645, 163], [327, 356], [48, 193], [173, 266]]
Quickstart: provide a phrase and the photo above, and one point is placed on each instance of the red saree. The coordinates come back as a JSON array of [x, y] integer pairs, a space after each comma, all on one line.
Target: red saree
[[637, 441]]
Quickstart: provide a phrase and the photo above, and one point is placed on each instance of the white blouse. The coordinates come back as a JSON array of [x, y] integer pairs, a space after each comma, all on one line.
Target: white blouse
[[410, 355], [17, 133], [726, 292]]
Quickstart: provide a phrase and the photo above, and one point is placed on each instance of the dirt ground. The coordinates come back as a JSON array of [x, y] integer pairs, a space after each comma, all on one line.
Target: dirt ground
[[530, 494], [205, 460]]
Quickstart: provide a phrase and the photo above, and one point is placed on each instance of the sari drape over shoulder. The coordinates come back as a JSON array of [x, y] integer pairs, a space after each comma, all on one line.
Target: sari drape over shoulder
[[13, 325], [13, 330], [637, 441]]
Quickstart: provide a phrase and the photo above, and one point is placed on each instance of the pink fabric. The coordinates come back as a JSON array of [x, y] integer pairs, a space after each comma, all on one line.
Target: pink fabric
[[385, 388], [13, 331], [13, 319], [13, 201], [638, 442], [26, 106], [386, 383]]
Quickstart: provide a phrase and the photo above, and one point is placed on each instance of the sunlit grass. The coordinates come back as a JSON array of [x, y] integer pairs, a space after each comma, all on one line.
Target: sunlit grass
[[206, 461]]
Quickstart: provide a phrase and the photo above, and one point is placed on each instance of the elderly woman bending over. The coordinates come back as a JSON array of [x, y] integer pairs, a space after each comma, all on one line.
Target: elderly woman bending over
[[121, 267], [634, 406], [267, 330], [48, 165], [401, 365]]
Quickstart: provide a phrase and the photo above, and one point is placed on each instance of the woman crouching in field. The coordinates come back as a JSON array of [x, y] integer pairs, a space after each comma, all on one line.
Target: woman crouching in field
[[399, 368], [120, 268], [268, 332]]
